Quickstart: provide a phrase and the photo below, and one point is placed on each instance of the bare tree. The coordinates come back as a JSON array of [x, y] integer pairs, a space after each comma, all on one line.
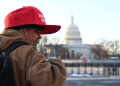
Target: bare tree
[[52, 44], [115, 47], [72, 54], [59, 49], [109, 47], [55, 45], [63, 52], [41, 46], [96, 49]]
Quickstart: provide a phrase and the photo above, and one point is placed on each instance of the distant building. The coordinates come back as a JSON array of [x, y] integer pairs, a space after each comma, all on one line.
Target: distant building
[[73, 41]]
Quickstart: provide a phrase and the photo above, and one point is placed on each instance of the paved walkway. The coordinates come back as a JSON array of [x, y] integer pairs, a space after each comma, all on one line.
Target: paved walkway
[[95, 80]]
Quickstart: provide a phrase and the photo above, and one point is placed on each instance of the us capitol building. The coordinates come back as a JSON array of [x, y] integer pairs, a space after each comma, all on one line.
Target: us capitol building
[[73, 41]]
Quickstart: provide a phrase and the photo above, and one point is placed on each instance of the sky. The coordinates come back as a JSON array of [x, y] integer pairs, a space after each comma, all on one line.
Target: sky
[[95, 19]]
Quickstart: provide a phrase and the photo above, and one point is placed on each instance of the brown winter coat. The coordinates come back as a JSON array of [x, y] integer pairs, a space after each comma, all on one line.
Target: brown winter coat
[[30, 67]]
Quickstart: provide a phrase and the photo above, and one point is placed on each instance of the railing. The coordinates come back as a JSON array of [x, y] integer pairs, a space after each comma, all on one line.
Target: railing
[[113, 68]]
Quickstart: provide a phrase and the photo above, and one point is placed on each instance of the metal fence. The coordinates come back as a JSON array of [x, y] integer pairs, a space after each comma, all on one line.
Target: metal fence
[[112, 68]]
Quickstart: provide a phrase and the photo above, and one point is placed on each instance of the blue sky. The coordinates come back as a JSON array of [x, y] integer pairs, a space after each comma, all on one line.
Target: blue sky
[[95, 18]]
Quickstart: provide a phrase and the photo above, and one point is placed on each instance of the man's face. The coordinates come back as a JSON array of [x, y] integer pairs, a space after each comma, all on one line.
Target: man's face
[[32, 36]]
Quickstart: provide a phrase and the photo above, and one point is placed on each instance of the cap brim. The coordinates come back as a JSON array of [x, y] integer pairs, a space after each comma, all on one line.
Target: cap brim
[[49, 29]]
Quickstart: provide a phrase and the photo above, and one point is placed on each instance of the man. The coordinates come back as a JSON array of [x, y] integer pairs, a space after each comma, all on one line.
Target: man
[[30, 67]]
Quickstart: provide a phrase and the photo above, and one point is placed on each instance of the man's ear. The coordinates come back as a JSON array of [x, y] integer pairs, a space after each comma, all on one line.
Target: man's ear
[[22, 30]]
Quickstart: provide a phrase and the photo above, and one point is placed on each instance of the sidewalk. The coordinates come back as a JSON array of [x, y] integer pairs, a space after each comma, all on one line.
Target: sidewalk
[[95, 80], [86, 76]]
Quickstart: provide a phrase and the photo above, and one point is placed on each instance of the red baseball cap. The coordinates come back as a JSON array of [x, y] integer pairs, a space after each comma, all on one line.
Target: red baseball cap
[[29, 15]]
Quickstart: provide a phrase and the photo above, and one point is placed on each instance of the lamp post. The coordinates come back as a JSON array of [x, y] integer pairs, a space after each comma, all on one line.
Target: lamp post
[[48, 52], [113, 54], [66, 56]]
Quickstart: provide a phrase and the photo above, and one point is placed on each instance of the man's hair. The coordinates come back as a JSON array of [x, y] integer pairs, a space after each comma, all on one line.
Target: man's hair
[[27, 26]]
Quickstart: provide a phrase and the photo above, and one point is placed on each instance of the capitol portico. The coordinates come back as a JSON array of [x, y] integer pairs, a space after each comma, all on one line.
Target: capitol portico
[[73, 41]]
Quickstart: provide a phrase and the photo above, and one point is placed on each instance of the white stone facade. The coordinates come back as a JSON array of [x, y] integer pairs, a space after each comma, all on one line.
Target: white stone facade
[[78, 49], [73, 41]]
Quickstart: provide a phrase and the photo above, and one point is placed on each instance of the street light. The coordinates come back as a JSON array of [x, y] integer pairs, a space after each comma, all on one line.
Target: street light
[[48, 52], [66, 56]]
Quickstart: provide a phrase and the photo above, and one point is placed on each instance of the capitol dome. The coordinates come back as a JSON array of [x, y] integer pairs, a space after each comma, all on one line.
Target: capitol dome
[[72, 34]]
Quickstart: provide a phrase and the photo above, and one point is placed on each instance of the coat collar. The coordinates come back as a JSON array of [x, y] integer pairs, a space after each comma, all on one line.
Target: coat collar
[[9, 36]]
